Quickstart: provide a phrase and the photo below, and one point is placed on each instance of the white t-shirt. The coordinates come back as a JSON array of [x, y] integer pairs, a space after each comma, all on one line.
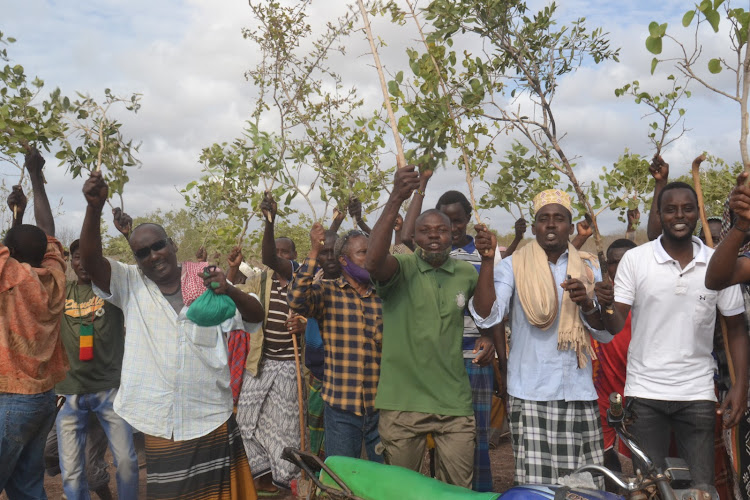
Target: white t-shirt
[[673, 321]]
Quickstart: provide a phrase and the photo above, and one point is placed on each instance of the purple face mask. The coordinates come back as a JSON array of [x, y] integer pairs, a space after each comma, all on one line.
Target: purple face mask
[[360, 274]]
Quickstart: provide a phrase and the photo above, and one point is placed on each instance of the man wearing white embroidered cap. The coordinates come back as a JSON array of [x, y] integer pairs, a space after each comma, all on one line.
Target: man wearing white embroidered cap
[[547, 285]]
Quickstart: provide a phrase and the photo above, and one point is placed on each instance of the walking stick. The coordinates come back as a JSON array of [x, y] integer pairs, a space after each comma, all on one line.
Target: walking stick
[[710, 242], [302, 486]]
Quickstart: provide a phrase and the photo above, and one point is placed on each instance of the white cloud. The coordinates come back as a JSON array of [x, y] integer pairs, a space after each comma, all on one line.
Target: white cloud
[[188, 59]]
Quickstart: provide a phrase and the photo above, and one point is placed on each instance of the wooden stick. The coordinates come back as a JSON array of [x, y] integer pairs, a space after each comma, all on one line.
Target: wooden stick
[[710, 242], [400, 159], [454, 120], [15, 212], [299, 394]]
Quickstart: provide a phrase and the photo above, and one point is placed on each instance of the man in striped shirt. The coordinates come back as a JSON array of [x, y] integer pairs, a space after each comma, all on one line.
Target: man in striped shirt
[[267, 406]]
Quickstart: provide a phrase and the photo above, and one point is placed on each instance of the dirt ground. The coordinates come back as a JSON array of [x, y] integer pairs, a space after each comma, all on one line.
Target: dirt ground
[[501, 458]]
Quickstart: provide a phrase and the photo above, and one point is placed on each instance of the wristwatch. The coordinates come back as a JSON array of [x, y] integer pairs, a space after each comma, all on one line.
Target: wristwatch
[[592, 310]]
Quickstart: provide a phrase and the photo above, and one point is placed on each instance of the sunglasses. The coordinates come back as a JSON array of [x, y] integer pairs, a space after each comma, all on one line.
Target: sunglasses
[[144, 252]]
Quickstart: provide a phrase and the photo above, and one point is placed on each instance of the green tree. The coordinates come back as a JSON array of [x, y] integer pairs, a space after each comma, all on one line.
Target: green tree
[[693, 56], [717, 181], [524, 55], [26, 120], [97, 139], [628, 185]]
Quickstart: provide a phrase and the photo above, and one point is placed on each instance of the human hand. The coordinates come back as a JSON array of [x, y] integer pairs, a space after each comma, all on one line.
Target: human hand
[[17, 201], [659, 169], [739, 203], [405, 181], [424, 178], [95, 190], [486, 351], [577, 291], [734, 405], [296, 324], [584, 229], [234, 259], [317, 238], [634, 215], [269, 207], [485, 242], [520, 227], [201, 255], [214, 279], [34, 162], [605, 293], [338, 215], [122, 221], [355, 208]]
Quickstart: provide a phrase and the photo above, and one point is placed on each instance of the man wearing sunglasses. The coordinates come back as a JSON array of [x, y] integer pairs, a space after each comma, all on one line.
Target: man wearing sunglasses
[[175, 382]]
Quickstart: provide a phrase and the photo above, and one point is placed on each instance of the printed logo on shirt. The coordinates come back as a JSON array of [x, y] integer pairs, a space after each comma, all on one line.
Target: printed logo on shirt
[[84, 309], [461, 300]]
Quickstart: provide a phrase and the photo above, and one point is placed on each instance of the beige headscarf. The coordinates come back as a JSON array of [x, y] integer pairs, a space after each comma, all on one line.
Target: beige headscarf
[[537, 292]]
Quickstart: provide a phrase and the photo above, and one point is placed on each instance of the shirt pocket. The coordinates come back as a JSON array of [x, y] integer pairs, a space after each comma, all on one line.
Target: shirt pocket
[[704, 309], [203, 336]]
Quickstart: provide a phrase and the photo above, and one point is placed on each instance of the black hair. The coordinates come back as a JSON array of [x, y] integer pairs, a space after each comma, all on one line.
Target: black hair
[[27, 244], [451, 197], [342, 244], [431, 211], [294, 247], [74, 246], [621, 243], [675, 185]]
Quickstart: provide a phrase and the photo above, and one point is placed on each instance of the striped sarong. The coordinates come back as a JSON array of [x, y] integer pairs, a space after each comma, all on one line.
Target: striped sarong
[[315, 407], [212, 467], [481, 379], [551, 439]]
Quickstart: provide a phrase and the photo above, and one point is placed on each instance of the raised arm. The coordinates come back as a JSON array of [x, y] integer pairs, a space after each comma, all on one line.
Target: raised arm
[[42, 211], [355, 210], [123, 222], [381, 264], [660, 171], [283, 267], [725, 267], [634, 217], [415, 208], [520, 227], [92, 258], [17, 203], [338, 218], [484, 294], [583, 233], [234, 259], [305, 297], [736, 398]]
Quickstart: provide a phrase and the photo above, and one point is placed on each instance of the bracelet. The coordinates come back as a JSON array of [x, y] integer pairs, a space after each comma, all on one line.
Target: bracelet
[[592, 311], [420, 192]]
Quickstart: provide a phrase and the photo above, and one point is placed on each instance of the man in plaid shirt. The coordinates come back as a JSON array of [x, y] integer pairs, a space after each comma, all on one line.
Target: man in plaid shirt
[[350, 317]]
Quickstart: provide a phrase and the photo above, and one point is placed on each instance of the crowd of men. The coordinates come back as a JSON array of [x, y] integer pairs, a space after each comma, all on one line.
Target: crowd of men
[[400, 343]]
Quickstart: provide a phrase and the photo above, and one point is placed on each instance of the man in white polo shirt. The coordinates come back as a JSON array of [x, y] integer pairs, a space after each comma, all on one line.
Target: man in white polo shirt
[[670, 368]]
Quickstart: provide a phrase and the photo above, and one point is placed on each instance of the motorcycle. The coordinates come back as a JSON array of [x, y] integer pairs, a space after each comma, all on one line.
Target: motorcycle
[[345, 478]]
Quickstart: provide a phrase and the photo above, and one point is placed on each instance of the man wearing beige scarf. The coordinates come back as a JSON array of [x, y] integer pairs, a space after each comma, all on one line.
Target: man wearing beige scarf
[[547, 288]]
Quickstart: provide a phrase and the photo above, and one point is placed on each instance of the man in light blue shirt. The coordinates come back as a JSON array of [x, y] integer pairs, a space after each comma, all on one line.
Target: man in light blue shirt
[[546, 288]]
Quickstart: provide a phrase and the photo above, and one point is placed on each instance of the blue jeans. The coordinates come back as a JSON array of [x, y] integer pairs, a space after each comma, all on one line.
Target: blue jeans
[[693, 426], [345, 431], [25, 421], [72, 430]]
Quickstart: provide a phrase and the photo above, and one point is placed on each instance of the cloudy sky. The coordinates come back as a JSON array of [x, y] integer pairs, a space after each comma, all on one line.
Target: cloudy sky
[[188, 59]]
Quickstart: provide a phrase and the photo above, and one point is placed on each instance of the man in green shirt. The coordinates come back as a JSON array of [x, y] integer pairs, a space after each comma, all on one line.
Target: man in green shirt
[[423, 385], [93, 334]]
